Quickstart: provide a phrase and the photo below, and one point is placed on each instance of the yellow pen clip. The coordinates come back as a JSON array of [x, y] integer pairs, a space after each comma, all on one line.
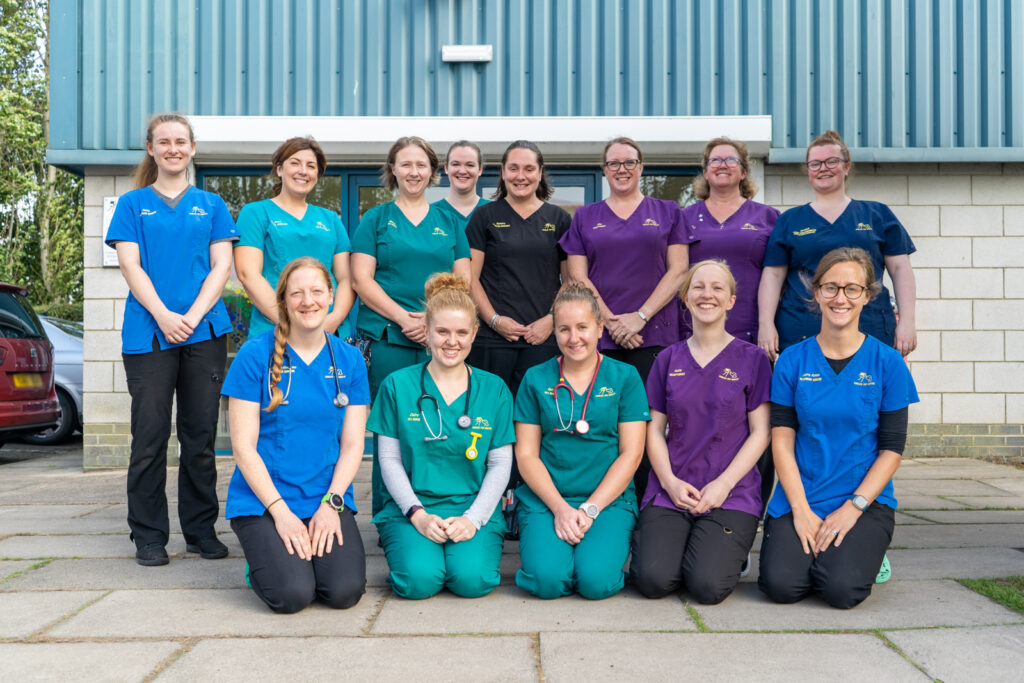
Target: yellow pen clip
[[472, 452]]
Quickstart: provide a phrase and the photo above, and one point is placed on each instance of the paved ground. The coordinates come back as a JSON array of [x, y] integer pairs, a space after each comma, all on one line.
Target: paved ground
[[74, 605]]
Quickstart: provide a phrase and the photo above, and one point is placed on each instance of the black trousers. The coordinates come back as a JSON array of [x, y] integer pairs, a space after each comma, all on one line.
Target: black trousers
[[842, 576], [673, 549], [509, 362], [643, 360], [288, 583], [194, 373]]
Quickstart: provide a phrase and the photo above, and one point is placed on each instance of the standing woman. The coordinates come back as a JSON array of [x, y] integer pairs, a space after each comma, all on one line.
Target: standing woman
[[580, 423], [298, 398], [463, 164], [445, 435], [173, 245], [278, 230], [729, 225], [517, 267], [839, 426], [804, 234], [703, 501], [632, 250]]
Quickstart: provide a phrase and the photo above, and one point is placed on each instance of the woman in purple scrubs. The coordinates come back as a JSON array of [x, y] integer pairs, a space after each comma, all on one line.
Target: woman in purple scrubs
[[703, 500], [729, 225]]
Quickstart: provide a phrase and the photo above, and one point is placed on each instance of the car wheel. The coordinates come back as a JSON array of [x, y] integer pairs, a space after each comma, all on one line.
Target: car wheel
[[64, 427]]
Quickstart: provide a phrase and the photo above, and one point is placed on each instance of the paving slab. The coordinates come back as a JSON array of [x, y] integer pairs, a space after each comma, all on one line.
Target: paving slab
[[208, 612], [10, 567], [510, 610], [955, 468], [959, 536], [972, 654], [25, 662], [956, 563], [972, 516], [26, 613], [1010, 485], [945, 487], [915, 502], [896, 604], [1002, 502], [708, 657], [115, 519], [95, 545], [127, 574], [58, 519], [902, 518], [465, 658]]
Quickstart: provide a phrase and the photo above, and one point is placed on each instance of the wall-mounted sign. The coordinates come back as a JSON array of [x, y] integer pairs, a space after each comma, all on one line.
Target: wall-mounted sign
[[109, 253]]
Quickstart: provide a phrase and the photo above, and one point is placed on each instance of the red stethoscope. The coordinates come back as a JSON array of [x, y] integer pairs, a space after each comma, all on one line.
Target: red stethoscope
[[582, 426]]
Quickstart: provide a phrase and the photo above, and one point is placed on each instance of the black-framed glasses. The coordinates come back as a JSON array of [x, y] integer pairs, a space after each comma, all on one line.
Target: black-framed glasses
[[830, 163], [628, 164], [729, 162], [830, 290]]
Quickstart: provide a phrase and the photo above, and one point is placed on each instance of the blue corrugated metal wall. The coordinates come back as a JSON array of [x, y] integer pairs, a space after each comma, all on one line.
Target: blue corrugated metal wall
[[897, 74]]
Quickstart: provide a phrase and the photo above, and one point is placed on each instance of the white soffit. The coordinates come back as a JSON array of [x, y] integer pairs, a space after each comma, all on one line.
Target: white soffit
[[563, 139]]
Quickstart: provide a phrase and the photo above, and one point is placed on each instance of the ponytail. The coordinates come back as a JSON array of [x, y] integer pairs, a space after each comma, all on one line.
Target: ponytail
[[146, 171]]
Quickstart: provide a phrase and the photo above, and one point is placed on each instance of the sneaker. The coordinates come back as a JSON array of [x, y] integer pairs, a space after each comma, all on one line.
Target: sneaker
[[745, 569], [885, 571], [151, 555], [209, 548]]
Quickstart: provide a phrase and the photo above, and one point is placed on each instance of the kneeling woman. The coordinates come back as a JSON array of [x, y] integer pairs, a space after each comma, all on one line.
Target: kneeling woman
[[703, 497], [839, 425], [298, 398], [445, 435], [580, 422]]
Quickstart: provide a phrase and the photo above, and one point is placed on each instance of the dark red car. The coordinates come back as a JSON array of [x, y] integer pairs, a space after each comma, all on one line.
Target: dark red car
[[28, 402]]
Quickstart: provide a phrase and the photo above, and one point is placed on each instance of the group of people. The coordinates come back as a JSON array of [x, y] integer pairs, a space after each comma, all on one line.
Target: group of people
[[605, 380]]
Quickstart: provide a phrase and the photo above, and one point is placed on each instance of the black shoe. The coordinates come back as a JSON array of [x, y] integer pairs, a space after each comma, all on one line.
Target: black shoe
[[151, 555], [209, 548]]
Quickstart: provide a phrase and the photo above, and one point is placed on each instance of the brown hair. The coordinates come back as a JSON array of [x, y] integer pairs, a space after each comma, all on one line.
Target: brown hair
[[829, 137], [844, 255], [146, 172], [730, 278], [622, 140], [466, 143], [544, 189], [748, 188], [575, 291], [387, 175], [287, 150], [446, 291], [284, 324]]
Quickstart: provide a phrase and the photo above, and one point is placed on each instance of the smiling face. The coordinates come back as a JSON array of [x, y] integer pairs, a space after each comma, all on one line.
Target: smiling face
[[298, 173], [172, 147], [723, 175], [412, 171], [521, 174], [463, 168], [450, 336], [307, 299], [825, 179], [577, 330], [622, 180], [709, 295], [841, 311]]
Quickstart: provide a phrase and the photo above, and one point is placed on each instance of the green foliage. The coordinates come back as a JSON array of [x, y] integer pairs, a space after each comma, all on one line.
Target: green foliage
[[1008, 592]]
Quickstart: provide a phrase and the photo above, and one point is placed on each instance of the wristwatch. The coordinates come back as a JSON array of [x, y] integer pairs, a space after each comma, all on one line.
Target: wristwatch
[[334, 500], [860, 502], [590, 510]]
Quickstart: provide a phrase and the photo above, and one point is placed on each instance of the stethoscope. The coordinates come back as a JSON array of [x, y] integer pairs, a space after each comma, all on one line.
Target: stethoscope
[[582, 426], [340, 397], [464, 421]]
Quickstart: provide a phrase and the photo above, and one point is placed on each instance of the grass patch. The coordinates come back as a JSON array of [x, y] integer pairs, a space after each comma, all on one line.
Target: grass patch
[[1008, 592], [701, 626]]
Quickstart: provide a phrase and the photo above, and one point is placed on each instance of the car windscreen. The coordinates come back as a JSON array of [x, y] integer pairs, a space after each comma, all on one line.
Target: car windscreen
[[17, 319], [68, 326]]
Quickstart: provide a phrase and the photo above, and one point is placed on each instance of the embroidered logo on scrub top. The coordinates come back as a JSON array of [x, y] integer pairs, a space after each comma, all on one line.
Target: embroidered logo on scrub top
[[392, 224], [805, 232], [320, 226], [481, 423], [810, 377], [678, 372], [548, 227], [413, 417], [863, 226], [599, 225], [652, 222], [332, 373], [864, 380], [748, 226], [196, 211], [604, 392], [148, 212], [439, 231], [278, 224], [501, 224], [729, 375]]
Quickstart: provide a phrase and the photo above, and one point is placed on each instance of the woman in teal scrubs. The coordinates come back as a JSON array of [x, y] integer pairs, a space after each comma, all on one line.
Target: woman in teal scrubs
[[580, 425], [278, 230], [445, 435], [463, 165]]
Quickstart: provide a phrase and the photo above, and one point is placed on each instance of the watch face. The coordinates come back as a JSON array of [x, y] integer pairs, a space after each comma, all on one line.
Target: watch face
[[337, 502]]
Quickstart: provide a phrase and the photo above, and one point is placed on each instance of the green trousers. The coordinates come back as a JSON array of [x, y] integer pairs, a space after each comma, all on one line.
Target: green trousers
[[593, 567], [420, 568]]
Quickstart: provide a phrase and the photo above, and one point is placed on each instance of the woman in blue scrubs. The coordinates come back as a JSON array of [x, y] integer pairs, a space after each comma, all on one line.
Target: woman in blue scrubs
[[580, 424], [445, 435], [298, 399], [803, 234], [173, 245], [839, 426], [278, 230]]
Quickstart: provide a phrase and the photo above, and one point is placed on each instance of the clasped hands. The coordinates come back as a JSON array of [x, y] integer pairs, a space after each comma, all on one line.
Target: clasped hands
[[439, 530], [685, 496], [317, 539], [624, 329]]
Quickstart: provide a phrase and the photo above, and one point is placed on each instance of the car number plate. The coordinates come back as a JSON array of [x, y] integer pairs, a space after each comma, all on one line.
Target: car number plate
[[27, 380]]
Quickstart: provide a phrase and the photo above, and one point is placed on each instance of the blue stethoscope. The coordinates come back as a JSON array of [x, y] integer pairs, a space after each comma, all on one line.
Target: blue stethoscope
[[464, 421], [340, 397]]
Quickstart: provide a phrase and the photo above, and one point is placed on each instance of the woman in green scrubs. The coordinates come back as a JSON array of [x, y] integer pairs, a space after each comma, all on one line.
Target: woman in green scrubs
[[444, 448], [580, 421]]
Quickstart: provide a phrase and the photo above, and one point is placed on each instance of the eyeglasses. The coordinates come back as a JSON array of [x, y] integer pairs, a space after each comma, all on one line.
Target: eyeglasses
[[830, 163], [830, 290], [628, 164], [730, 162]]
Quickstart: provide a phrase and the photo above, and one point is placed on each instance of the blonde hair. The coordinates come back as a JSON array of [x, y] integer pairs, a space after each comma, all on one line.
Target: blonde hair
[[387, 174], [729, 277], [748, 188], [146, 172], [445, 292], [284, 324], [576, 292]]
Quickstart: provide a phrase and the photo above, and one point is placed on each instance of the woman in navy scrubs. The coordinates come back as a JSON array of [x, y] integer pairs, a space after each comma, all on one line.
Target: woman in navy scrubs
[[173, 244], [839, 426], [803, 234], [298, 400]]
